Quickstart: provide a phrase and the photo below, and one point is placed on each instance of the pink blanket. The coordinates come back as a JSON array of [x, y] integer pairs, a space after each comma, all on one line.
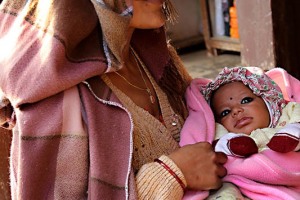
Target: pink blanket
[[267, 175]]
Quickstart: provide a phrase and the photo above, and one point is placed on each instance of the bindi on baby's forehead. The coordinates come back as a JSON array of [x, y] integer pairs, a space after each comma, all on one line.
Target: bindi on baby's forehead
[[230, 98]]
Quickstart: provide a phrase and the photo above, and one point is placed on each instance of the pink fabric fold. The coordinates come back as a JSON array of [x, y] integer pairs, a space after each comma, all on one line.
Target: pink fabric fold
[[288, 84], [267, 175], [201, 119]]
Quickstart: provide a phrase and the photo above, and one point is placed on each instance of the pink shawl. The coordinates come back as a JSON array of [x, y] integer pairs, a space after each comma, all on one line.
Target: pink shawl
[[267, 175], [67, 144]]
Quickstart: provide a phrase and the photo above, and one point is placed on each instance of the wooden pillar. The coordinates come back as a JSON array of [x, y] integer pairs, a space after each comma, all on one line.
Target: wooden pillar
[[270, 34], [207, 29], [256, 33], [213, 43], [286, 25], [5, 142]]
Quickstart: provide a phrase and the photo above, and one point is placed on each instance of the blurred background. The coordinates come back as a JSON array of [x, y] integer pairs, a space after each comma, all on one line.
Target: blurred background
[[211, 34], [187, 35]]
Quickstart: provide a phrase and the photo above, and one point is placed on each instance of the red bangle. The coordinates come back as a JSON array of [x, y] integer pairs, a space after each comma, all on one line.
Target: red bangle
[[171, 172]]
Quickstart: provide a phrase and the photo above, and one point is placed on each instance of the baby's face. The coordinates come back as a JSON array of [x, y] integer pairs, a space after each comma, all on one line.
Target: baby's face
[[238, 109]]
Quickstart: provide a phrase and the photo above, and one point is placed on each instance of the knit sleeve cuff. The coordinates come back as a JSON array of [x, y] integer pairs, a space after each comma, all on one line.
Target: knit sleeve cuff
[[154, 181], [174, 168]]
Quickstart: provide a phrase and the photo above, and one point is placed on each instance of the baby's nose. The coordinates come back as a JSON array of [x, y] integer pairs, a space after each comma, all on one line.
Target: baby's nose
[[237, 111]]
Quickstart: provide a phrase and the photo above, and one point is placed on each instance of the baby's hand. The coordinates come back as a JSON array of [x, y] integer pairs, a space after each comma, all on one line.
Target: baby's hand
[[286, 139], [239, 145]]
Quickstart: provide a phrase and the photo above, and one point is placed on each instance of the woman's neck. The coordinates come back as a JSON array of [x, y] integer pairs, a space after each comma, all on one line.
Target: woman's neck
[[126, 53]]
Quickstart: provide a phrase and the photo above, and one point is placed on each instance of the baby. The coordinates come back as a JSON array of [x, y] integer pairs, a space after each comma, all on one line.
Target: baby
[[251, 116], [251, 113]]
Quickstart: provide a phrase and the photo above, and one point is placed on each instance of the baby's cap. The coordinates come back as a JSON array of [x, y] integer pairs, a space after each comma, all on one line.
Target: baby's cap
[[257, 81]]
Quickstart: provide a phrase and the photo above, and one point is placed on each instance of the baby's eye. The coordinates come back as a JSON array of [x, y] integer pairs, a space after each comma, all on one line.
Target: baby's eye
[[246, 100], [224, 113]]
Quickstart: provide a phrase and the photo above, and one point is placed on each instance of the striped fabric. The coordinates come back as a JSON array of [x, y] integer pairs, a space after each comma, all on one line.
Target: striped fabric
[[67, 143]]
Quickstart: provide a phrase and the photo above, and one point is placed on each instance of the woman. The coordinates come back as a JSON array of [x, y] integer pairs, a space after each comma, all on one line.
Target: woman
[[97, 96]]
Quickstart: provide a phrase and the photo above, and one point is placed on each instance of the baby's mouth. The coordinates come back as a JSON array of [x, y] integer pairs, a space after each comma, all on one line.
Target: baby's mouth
[[242, 122]]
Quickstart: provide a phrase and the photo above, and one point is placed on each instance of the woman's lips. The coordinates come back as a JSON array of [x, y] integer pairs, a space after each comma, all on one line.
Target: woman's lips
[[242, 122]]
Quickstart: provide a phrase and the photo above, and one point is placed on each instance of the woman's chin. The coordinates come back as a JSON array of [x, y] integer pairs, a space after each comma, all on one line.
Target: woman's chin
[[148, 23]]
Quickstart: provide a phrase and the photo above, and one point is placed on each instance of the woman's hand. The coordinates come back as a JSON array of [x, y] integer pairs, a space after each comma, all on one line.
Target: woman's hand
[[202, 167]]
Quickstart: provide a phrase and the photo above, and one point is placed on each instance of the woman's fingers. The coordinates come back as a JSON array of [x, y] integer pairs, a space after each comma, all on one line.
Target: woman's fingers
[[221, 157], [202, 167]]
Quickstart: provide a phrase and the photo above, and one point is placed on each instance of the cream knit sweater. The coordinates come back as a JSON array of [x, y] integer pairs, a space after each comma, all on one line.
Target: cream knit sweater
[[153, 139]]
